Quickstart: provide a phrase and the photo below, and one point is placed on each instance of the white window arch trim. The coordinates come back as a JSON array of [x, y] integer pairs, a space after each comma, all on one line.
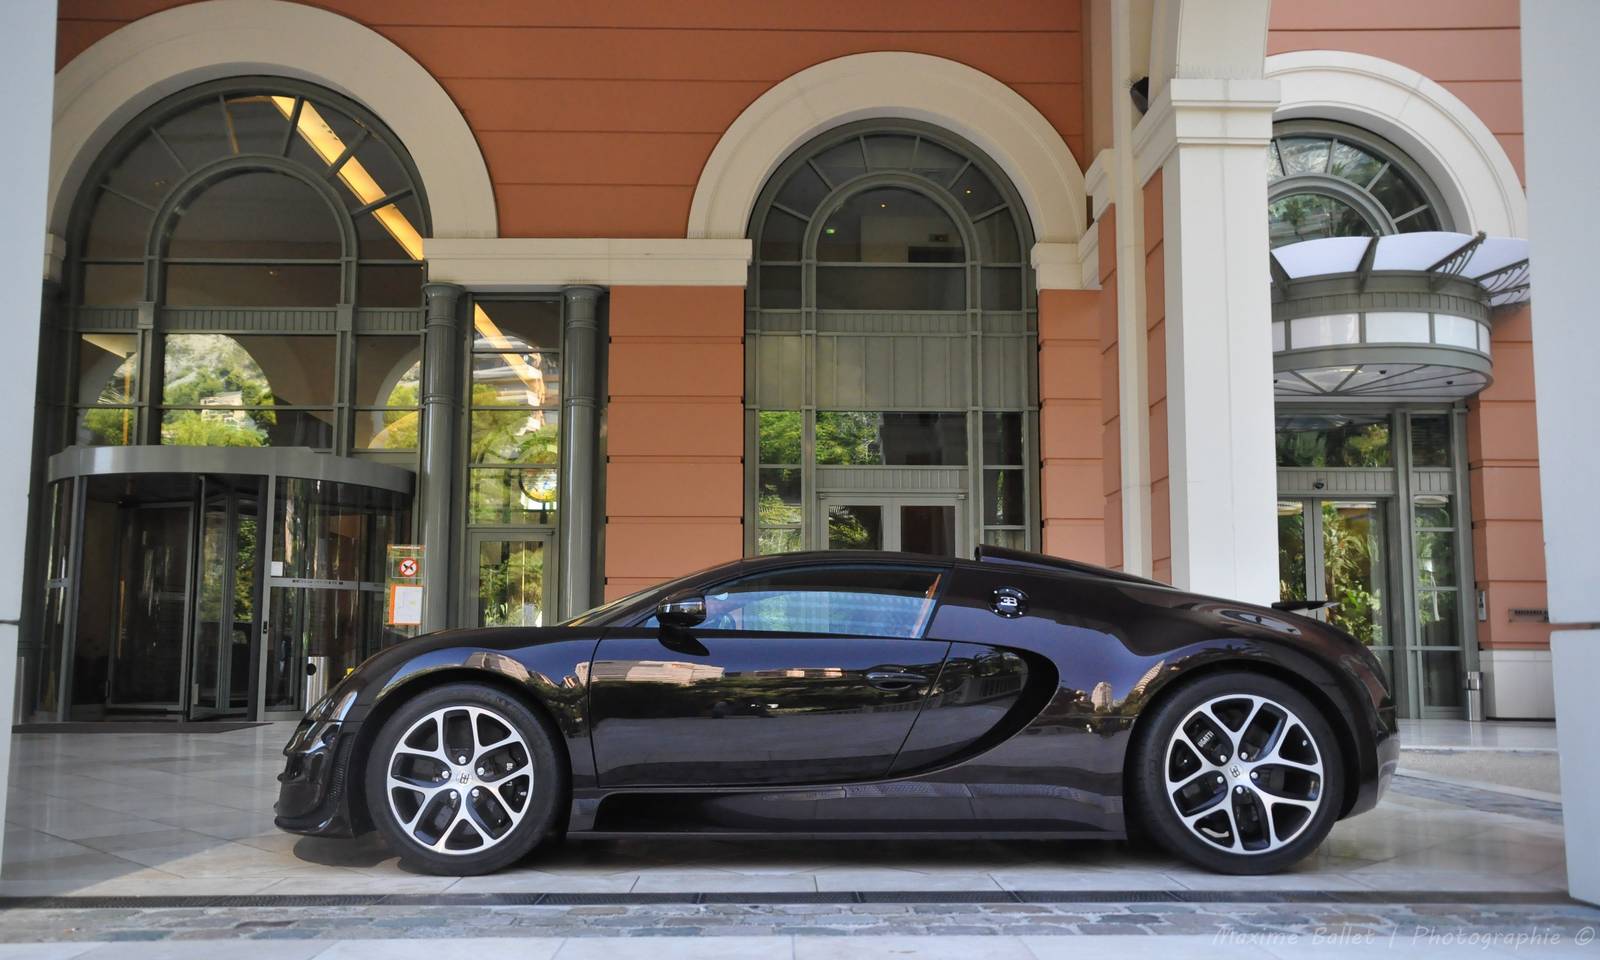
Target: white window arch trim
[[1442, 135]]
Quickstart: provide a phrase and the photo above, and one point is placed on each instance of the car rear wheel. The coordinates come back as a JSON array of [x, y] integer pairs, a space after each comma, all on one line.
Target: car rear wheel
[[464, 780], [1238, 773]]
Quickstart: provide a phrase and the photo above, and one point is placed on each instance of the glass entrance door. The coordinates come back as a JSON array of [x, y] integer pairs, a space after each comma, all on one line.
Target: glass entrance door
[[915, 524], [1339, 550], [225, 600], [508, 585], [148, 607]]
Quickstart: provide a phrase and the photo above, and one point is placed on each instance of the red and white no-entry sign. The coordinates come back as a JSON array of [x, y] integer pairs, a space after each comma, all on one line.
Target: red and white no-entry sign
[[409, 567]]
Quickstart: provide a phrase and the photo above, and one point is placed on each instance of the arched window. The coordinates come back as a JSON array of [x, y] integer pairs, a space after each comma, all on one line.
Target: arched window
[[892, 390], [229, 250], [1332, 180]]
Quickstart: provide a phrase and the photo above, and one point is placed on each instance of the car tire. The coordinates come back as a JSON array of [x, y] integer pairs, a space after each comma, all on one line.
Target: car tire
[[465, 779], [1238, 773]]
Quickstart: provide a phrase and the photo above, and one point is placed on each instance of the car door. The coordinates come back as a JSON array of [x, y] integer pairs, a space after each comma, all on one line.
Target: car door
[[806, 674]]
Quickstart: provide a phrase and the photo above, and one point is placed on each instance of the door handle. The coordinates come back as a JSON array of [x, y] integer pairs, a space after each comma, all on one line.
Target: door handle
[[892, 680]]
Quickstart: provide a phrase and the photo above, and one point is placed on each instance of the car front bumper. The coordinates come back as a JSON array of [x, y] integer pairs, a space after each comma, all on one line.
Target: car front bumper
[[314, 788]]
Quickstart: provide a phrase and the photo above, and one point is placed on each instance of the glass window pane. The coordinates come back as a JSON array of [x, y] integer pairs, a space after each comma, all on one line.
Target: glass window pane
[[386, 429], [1430, 440], [892, 439], [782, 236], [1436, 558], [1326, 331], [255, 124], [928, 528], [888, 288], [226, 427], [1350, 162], [855, 527], [975, 192], [842, 162], [1011, 539], [1002, 439], [252, 285], [846, 601], [803, 191], [1436, 613], [112, 284], [198, 135], [1002, 288], [937, 163], [778, 541], [998, 241], [216, 370], [1291, 550], [1312, 216], [1434, 511], [496, 495], [119, 228], [388, 233], [1441, 678], [515, 436], [516, 325], [516, 379], [510, 583], [383, 172], [1303, 154], [1003, 498], [1394, 327], [108, 368], [259, 214], [778, 497], [1353, 569], [780, 287], [1333, 440], [388, 371], [1395, 191], [107, 427], [389, 286], [779, 440], [145, 172], [890, 151], [890, 225], [1455, 331]]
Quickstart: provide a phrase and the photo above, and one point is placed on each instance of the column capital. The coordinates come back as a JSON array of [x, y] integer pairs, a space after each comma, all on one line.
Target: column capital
[[1211, 112], [442, 298], [582, 292]]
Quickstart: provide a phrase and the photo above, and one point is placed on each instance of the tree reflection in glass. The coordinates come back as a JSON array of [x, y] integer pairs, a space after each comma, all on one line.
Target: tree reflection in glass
[[210, 370]]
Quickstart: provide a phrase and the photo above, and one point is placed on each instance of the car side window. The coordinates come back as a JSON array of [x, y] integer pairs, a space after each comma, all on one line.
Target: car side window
[[844, 600]]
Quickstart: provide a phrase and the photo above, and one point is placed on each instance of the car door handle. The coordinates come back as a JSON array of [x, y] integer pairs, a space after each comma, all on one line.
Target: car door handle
[[895, 679]]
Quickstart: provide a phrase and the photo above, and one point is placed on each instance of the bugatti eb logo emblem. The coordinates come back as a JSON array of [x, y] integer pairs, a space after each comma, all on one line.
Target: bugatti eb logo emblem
[[464, 776], [1235, 771]]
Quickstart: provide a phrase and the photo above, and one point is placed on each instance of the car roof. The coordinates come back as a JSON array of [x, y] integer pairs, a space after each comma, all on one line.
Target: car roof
[[984, 555]]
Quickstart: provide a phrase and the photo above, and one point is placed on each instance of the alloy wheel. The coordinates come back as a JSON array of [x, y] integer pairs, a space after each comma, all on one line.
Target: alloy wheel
[[459, 780], [1244, 774]]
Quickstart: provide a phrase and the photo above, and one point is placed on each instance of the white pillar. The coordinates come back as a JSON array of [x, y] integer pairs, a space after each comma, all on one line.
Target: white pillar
[[27, 73], [1209, 138], [1563, 207]]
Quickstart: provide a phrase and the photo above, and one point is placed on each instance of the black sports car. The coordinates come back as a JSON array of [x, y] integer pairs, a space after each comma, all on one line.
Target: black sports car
[[859, 695]]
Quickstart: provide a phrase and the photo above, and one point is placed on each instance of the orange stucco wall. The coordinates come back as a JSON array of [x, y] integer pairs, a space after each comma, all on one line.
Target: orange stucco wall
[[1110, 379], [595, 119], [674, 433], [1503, 467], [1470, 47], [1155, 315], [1071, 505]]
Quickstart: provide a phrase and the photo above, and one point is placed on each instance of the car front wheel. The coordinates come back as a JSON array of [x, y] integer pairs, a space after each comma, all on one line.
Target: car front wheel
[[1238, 773], [464, 779]]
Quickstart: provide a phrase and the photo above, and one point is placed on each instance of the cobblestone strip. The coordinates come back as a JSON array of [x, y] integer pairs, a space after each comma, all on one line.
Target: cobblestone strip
[[1489, 801], [1364, 923]]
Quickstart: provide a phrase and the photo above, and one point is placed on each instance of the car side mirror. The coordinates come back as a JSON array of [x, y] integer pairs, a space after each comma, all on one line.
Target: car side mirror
[[681, 611]]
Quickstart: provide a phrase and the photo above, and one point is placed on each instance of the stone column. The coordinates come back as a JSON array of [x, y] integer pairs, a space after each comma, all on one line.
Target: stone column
[[441, 406], [580, 367], [1207, 137], [27, 67], [1562, 141]]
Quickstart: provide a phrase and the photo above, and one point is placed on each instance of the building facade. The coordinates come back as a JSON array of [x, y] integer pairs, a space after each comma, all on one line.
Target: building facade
[[576, 298]]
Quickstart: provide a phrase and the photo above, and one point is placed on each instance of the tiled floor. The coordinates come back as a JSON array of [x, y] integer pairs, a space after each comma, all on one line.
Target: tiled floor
[[149, 814], [1460, 735]]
